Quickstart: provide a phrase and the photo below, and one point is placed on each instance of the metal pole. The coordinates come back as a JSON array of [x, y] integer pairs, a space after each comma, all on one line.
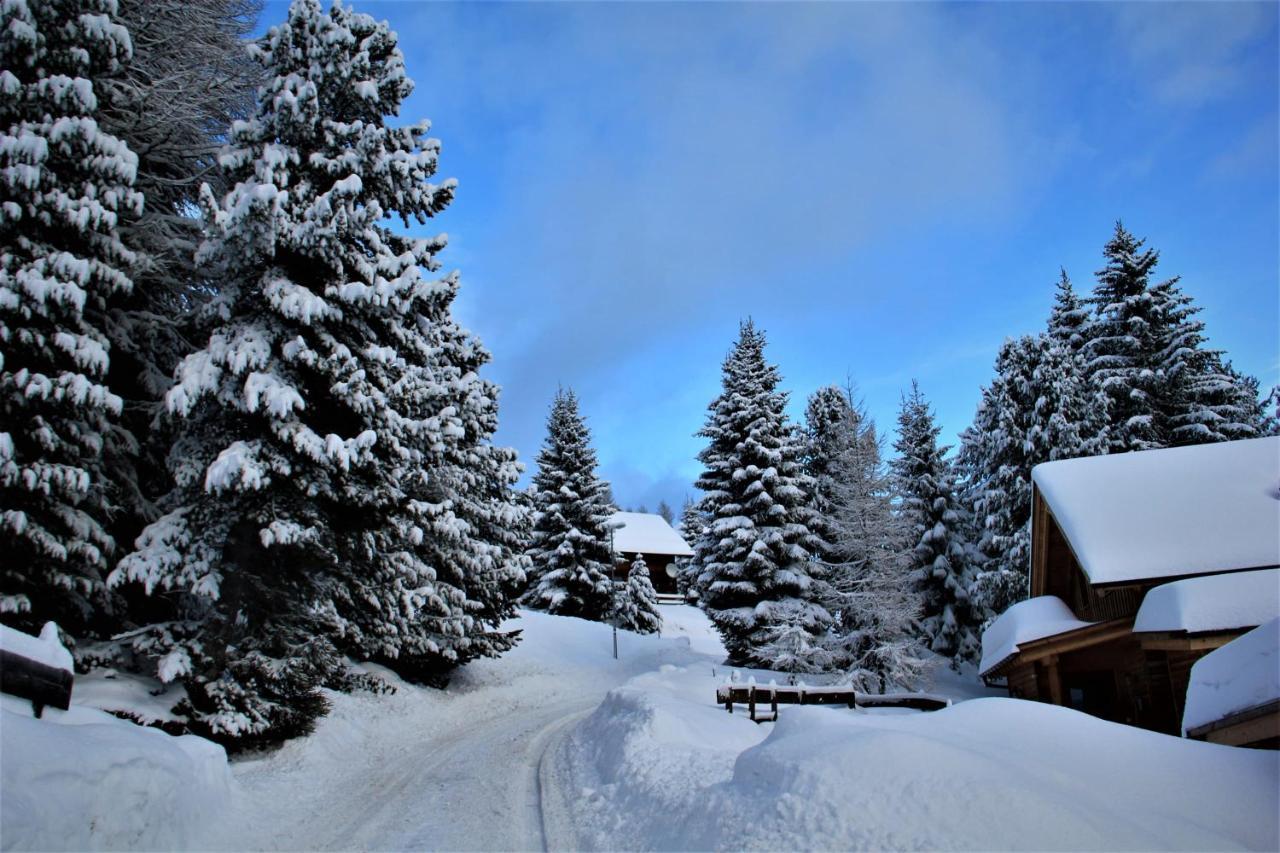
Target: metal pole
[[613, 577]]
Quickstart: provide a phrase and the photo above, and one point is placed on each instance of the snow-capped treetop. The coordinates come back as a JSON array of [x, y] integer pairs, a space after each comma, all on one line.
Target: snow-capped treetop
[[1169, 512], [1212, 603]]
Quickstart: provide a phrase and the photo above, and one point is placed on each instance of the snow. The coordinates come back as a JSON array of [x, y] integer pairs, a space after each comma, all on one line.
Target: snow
[[82, 779], [556, 745], [655, 767], [1033, 619], [1171, 512], [1213, 603], [646, 533], [46, 649], [1243, 674]]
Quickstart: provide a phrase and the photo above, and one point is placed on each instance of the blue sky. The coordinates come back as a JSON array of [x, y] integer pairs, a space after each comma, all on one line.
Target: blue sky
[[888, 189]]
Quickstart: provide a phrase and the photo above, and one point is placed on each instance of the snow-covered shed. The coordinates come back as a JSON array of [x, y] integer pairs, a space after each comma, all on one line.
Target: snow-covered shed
[[1154, 559], [649, 535]]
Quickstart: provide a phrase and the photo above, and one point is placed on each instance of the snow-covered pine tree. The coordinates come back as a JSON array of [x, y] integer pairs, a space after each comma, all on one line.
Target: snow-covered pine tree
[[569, 545], [189, 77], [336, 490], [941, 560], [1146, 350], [637, 605], [664, 510], [756, 554], [830, 427], [1068, 317], [873, 640], [996, 458], [1123, 341], [66, 188], [687, 571]]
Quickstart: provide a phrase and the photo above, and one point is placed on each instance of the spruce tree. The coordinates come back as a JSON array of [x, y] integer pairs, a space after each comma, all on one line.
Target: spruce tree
[[569, 547], [1147, 351], [997, 457], [336, 489], [1123, 341], [829, 430], [687, 571], [67, 190], [637, 605], [1068, 317], [756, 554], [941, 561]]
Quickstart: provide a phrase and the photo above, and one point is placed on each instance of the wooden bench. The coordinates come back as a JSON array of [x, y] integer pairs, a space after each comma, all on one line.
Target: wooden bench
[[754, 695]]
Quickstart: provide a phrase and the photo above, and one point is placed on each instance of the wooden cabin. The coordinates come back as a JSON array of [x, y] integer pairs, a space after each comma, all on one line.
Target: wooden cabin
[[1142, 563], [649, 535]]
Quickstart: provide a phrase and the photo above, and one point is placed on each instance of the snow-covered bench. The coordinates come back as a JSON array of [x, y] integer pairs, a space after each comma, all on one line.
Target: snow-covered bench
[[36, 668], [752, 695]]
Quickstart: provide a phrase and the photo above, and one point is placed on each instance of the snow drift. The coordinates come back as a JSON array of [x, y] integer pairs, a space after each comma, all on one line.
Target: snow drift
[[658, 767], [84, 780]]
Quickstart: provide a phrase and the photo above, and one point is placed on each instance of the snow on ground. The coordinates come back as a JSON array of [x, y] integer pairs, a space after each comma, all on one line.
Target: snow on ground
[[656, 768], [1243, 674], [428, 769], [556, 745], [82, 780]]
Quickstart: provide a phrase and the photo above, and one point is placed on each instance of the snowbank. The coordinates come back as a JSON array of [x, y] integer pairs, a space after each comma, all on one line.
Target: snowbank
[[647, 533], [84, 780], [46, 649], [1163, 513], [1243, 674], [1033, 619], [1213, 603], [657, 768]]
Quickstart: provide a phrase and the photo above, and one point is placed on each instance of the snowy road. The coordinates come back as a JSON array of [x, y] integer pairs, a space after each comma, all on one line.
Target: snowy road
[[475, 790], [422, 769]]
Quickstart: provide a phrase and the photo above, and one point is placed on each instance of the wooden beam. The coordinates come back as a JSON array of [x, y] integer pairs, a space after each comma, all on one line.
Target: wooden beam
[[1054, 678], [1081, 638], [1176, 642]]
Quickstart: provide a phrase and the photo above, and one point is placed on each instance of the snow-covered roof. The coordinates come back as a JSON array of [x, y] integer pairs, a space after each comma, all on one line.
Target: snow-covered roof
[[1243, 674], [646, 533], [1212, 603], [1166, 513], [1033, 619]]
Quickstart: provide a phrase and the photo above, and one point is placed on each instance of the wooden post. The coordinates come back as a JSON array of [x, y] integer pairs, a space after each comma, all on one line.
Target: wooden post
[[1054, 679], [751, 701]]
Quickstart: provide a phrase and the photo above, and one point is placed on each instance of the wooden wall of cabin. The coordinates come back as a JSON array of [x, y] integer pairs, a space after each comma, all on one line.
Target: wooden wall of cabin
[[663, 583], [1116, 681]]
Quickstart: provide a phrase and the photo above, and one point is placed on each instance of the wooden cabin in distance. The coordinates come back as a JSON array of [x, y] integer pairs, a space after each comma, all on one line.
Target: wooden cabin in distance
[[1142, 563], [649, 535]]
